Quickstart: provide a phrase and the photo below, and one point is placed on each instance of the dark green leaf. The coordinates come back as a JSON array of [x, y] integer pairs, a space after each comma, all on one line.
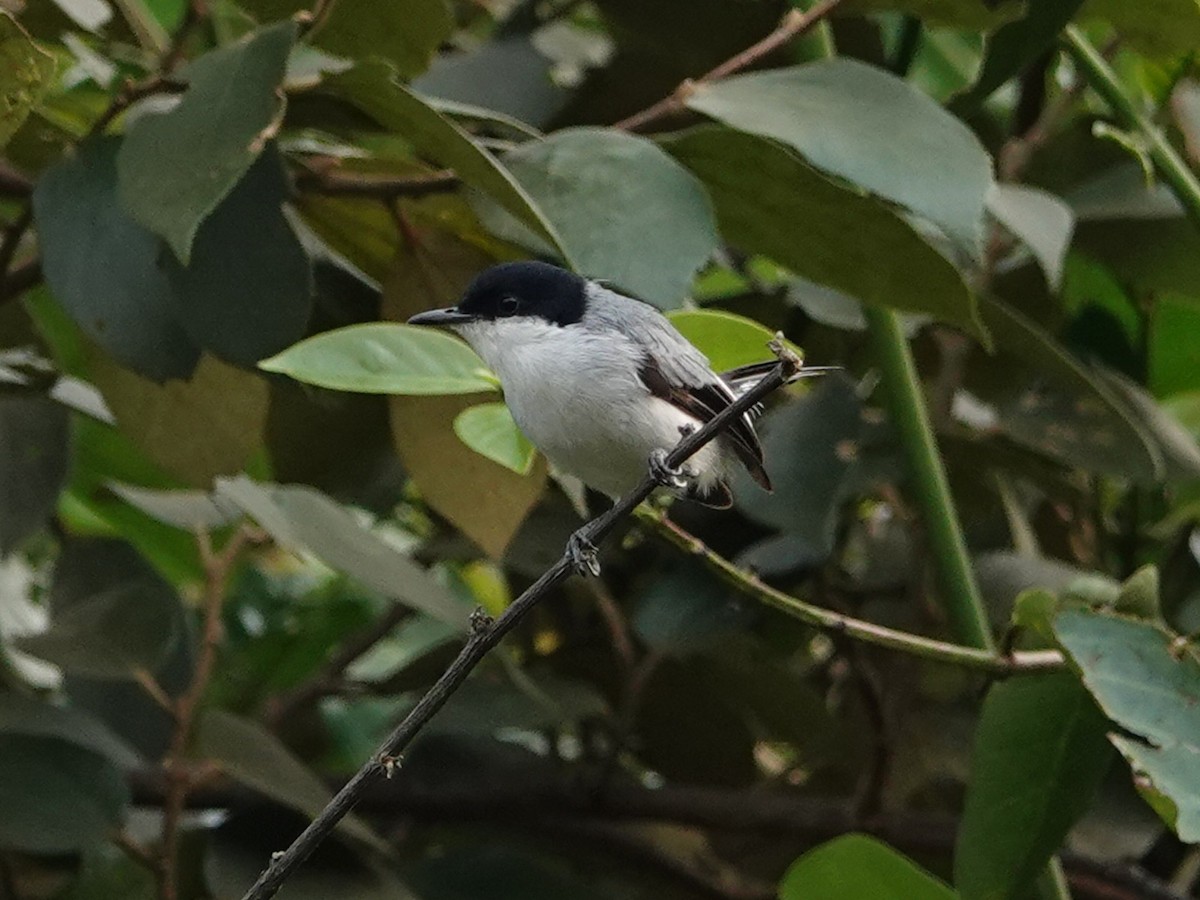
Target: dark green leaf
[[852, 243], [373, 89], [1148, 682], [624, 210], [117, 633], [33, 465], [1015, 45], [302, 518], [835, 112], [27, 72], [971, 14], [855, 867], [1158, 27], [24, 715], [685, 611], [103, 267], [489, 429], [176, 167], [57, 797], [1040, 754], [107, 873], [247, 292], [385, 358], [405, 34], [1140, 596], [1174, 350], [252, 755], [1173, 444]]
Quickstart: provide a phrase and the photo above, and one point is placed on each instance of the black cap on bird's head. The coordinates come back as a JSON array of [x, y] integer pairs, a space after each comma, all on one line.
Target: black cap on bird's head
[[526, 288]]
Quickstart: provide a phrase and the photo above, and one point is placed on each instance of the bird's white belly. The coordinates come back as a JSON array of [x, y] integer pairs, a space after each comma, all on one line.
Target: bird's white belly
[[584, 407]]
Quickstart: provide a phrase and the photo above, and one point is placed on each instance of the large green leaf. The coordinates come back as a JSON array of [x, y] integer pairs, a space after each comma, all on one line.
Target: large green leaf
[[247, 292], [176, 167], [302, 518], [33, 465], [1174, 351], [727, 339], [489, 429], [1043, 222], [373, 88], [684, 610], [625, 211], [948, 13], [103, 267], [385, 358], [871, 128], [57, 797], [26, 73], [20, 714], [1040, 753], [770, 201], [1147, 680], [122, 632], [855, 867], [250, 754], [1158, 27]]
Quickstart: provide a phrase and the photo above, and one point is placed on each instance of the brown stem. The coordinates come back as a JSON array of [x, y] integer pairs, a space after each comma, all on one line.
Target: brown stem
[[196, 13], [217, 568], [794, 24]]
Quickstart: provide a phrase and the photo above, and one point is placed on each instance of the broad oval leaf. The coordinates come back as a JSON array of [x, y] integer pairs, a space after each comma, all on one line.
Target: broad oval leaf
[[626, 211], [727, 339], [1040, 753], [57, 797], [385, 358], [103, 266], [1043, 222], [34, 454], [489, 429], [854, 867], [1147, 680], [176, 167], [869, 127], [770, 201]]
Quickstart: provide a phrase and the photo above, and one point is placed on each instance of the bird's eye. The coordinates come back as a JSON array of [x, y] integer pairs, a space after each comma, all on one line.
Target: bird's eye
[[509, 306]]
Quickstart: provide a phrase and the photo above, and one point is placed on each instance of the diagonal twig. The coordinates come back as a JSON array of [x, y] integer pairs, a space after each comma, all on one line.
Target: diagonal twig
[[486, 633]]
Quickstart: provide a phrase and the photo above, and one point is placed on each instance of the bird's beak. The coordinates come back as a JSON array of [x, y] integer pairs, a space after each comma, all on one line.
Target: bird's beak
[[449, 316]]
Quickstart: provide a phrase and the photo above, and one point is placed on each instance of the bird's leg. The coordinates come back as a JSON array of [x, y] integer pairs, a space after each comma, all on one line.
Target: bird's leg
[[585, 558], [667, 475]]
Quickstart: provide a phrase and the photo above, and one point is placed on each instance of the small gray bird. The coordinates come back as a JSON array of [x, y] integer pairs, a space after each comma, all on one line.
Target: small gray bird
[[601, 383]]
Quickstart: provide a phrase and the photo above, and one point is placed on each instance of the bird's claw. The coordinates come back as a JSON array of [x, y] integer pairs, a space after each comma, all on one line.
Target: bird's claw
[[666, 474], [584, 556]]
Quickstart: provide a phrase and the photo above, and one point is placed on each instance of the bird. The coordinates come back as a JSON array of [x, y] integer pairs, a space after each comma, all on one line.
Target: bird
[[602, 384]]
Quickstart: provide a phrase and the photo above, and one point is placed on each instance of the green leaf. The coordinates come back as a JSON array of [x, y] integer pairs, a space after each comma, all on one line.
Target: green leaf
[[373, 88], [27, 72], [302, 518], [1174, 350], [1040, 754], [176, 167], [87, 14], [117, 633], [967, 14], [188, 510], [247, 292], [1043, 222], [1147, 681], [869, 127], [34, 432], [851, 243], [626, 211], [103, 267], [248, 753], [1156, 27], [24, 715], [106, 872], [385, 358], [727, 339], [1140, 594], [57, 797], [405, 34], [686, 611], [854, 867], [197, 429], [489, 429], [1018, 44]]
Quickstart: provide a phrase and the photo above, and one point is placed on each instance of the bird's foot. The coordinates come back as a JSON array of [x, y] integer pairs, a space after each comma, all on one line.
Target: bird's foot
[[584, 556], [666, 474]]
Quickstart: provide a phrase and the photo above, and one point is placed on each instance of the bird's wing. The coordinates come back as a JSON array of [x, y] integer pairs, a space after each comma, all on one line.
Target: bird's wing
[[674, 370]]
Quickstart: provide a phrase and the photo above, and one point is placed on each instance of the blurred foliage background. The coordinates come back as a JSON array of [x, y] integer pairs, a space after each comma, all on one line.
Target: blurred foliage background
[[220, 586]]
